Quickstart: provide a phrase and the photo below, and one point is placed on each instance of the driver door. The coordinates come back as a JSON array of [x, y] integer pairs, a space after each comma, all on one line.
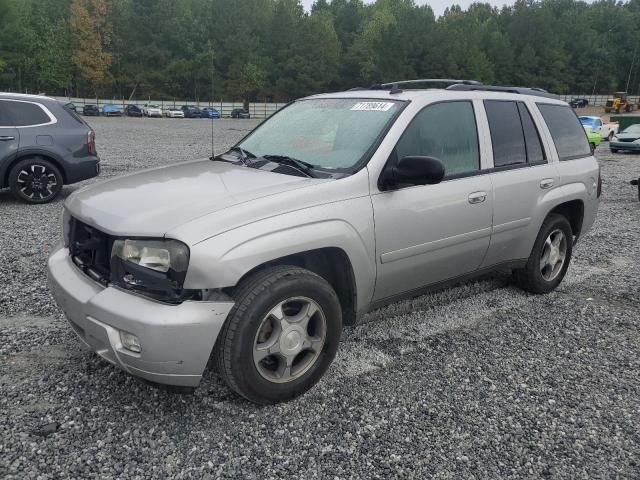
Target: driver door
[[432, 233]]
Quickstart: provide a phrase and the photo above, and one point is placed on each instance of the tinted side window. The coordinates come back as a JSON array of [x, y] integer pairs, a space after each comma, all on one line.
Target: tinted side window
[[507, 137], [535, 152], [566, 130], [446, 131], [25, 114], [5, 118]]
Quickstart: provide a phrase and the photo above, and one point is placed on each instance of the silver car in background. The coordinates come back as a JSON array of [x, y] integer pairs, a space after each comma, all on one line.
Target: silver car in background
[[337, 204]]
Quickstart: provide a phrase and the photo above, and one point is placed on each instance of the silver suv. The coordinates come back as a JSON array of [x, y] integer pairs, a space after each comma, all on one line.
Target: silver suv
[[338, 204]]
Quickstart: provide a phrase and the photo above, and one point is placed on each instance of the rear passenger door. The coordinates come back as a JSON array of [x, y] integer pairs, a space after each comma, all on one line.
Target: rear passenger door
[[521, 176], [9, 136]]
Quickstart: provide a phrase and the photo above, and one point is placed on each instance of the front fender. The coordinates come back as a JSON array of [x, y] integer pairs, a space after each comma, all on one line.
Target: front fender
[[221, 261]]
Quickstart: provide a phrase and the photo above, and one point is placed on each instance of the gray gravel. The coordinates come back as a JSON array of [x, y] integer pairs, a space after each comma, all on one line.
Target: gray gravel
[[479, 381]]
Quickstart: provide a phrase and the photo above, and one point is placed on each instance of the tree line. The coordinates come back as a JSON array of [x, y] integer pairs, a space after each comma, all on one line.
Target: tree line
[[274, 50]]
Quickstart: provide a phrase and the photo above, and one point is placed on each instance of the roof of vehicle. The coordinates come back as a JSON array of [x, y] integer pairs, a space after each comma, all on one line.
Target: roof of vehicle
[[25, 96], [456, 89]]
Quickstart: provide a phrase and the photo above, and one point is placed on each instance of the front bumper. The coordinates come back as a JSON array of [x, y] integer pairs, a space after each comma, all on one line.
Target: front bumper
[[176, 340], [625, 146]]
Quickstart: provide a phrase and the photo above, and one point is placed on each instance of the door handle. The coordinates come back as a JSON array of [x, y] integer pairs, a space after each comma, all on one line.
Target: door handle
[[546, 183], [477, 197], [6, 138]]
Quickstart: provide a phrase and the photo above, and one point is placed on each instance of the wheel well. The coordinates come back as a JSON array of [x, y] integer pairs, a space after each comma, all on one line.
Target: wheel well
[[5, 180], [574, 212], [330, 263]]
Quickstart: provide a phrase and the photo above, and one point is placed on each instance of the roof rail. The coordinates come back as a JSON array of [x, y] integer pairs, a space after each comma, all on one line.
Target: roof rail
[[394, 87], [538, 92]]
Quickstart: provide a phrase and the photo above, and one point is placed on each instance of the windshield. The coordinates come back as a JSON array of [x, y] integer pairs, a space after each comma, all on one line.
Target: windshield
[[587, 121], [153, 106], [333, 133], [632, 129]]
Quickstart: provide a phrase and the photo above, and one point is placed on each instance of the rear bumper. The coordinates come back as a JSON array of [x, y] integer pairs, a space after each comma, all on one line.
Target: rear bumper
[[176, 340], [80, 169]]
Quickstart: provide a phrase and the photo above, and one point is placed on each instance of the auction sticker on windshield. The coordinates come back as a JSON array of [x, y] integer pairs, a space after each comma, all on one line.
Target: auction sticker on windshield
[[373, 106]]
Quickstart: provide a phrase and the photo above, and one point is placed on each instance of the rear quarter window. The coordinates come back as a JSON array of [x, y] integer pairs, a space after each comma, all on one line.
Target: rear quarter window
[[566, 130], [25, 114]]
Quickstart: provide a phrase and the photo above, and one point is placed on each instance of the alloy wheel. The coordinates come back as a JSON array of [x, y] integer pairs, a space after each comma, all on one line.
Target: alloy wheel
[[289, 339], [554, 255], [37, 182]]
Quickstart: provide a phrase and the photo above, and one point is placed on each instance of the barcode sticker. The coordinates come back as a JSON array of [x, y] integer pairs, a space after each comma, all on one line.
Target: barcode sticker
[[372, 106]]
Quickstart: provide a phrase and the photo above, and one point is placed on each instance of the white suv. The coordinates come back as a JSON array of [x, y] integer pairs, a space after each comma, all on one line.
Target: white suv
[[336, 205]]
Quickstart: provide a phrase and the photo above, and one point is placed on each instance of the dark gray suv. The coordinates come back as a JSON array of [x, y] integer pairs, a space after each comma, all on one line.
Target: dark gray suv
[[44, 145]]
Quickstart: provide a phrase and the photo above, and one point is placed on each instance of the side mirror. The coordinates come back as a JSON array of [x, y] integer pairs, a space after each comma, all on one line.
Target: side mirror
[[413, 170]]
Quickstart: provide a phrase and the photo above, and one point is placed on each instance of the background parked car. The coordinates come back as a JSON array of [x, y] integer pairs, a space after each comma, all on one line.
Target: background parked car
[[71, 106], [91, 110], [132, 111], [627, 140], [151, 111], [111, 110], [240, 113], [174, 113], [606, 130], [209, 112], [44, 144], [579, 102], [191, 112]]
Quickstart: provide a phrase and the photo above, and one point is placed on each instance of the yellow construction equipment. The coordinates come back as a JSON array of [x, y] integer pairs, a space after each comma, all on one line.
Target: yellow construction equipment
[[618, 103]]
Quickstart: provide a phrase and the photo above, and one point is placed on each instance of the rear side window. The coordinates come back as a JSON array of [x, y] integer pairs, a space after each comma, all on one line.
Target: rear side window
[[25, 114], [514, 136], [5, 118], [507, 136], [446, 131], [535, 152], [566, 130]]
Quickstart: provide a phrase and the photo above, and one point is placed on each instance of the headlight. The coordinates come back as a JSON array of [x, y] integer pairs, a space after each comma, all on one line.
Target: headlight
[[155, 267]]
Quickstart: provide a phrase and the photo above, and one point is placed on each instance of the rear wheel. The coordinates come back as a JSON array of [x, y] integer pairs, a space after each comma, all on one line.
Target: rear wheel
[[281, 335], [35, 180], [550, 257], [610, 137]]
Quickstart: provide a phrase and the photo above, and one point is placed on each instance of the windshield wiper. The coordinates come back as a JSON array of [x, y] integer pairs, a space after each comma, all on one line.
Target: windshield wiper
[[304, 167], [245, 155]]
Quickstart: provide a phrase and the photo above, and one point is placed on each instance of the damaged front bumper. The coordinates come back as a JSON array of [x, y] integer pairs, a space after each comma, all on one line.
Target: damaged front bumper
[[175, 340]]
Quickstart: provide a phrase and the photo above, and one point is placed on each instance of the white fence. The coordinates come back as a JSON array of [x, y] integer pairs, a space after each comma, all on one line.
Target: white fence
[[256, 110], [596, 99]]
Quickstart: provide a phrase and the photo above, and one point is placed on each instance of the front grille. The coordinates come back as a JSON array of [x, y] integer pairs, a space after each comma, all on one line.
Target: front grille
[[90, 250]]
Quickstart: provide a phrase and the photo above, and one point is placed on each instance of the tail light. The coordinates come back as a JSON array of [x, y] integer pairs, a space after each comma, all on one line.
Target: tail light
[[91, 142], [599, 190]]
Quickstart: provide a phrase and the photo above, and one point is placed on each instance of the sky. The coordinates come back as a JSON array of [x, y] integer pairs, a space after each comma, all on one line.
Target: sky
[[438, 6]]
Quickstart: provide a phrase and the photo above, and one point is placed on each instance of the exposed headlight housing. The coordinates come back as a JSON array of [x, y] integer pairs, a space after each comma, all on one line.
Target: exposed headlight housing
[[156, 268]]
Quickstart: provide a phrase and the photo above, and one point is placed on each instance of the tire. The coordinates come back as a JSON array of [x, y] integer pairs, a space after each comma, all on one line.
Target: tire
[[251, 328], [35, 180], [614, 150], [533, 277], [610, 136]]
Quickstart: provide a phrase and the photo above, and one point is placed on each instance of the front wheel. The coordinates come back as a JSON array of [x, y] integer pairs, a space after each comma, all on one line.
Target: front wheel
[[614, 150], [550, 257], [281, 335], [35, 180]]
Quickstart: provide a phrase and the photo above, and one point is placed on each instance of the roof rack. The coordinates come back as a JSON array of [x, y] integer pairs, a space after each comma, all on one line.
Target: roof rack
[[538, 92], [394, 87]]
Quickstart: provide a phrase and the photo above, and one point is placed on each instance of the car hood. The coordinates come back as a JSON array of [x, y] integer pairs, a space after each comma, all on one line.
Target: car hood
[[628, 136], [153, 202]]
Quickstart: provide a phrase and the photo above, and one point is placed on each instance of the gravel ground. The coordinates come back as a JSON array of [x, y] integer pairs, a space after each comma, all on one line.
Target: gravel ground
[[479, 381]]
